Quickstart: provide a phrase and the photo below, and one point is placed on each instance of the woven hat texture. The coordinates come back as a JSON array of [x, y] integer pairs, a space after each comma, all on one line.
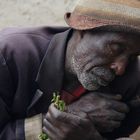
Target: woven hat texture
[[119, 15]]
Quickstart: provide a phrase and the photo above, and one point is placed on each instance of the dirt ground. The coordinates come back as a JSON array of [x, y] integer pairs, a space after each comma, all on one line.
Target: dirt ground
[[36, 13]]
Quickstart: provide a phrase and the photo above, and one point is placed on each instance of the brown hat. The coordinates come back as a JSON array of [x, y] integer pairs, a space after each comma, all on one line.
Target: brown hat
[[118, 15]]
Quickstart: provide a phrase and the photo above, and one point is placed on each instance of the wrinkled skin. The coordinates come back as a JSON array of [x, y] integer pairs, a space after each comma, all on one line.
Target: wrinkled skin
[[93, 60], [85, 118], [66, 126], [97, 58], [105, 111]]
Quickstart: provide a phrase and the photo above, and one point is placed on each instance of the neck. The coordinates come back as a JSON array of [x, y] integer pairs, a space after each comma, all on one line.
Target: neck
[[71, 45], [71, 82]]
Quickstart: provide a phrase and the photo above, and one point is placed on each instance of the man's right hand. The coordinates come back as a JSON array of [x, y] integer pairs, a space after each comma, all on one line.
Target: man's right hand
[[66, 126], [105, 111]]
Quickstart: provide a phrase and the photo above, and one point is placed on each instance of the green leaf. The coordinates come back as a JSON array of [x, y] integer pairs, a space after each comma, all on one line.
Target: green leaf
[[60, 105]]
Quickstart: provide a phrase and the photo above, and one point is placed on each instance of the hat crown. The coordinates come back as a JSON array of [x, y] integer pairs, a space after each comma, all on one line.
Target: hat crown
[[126, 8], [108, 12]]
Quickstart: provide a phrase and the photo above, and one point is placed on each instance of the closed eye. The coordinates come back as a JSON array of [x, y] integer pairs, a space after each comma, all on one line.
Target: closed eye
[[115, 49]]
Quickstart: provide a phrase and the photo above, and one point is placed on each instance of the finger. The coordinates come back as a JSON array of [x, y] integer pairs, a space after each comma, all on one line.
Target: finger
[[65, 117], [117, 97], [106, 115], [47, 126], [134, 103], [116, 116], [76, 111], [119, 106], [108, 126], [54, 112], [114, 124], [51, 130], [50, 118], [54, 116], [49, 133]]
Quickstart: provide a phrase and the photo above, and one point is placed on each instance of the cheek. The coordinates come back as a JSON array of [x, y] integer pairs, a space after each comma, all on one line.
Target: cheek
[[86, 63], [80, 60], [85, 59], [77, 64], [89, 81]]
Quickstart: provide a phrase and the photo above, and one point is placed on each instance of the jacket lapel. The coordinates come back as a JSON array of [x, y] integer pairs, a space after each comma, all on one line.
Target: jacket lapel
[[51, 71]]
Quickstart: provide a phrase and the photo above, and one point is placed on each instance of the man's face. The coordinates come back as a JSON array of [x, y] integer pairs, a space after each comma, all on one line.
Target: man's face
[[99, 57]]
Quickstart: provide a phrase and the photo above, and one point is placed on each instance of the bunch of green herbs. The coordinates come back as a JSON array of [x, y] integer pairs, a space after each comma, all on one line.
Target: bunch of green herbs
[[60, 105]]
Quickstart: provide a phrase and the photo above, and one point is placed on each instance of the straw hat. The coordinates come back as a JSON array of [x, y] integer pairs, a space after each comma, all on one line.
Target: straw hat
[[118, 15]]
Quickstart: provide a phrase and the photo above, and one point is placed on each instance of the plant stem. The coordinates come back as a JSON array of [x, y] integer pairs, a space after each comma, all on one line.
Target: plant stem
[[60, 105]]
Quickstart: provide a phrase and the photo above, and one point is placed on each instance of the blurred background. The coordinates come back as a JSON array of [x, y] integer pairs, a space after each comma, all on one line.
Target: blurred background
[[33, 12], [37, 13]]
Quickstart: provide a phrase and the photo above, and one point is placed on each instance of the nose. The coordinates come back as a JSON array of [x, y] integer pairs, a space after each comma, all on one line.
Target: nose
[[119, 66]]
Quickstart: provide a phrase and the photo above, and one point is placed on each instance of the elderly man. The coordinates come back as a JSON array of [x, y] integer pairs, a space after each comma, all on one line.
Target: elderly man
[[79, 62]]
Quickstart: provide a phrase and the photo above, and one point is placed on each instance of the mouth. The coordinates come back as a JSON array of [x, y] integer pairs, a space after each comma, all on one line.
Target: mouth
[[95, 78], [102, 81]]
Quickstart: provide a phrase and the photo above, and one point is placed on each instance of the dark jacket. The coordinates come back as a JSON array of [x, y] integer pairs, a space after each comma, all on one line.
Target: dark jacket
[[32, 68], [21, 54]]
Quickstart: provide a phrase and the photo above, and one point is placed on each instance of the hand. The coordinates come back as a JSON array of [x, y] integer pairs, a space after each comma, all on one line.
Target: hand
[[65, 126], [125, 138], [105, 111]]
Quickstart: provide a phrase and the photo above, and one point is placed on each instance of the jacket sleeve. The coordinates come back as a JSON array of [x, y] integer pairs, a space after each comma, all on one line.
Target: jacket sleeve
[[12, 127], [6, 95], [19, 62], [7, 123], [22, 129]]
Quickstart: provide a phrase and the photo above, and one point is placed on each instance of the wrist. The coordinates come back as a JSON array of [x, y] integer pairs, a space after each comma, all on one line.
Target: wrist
[[33, 127]]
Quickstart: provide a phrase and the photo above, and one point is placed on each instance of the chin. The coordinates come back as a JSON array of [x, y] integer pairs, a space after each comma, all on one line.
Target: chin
[[90, 87]]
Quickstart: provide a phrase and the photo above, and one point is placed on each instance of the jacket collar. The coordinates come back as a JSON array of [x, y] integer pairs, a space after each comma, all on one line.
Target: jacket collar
[[51, 71]]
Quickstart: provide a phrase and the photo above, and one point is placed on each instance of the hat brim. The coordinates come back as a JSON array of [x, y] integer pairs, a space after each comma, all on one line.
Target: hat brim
[[81, 22]]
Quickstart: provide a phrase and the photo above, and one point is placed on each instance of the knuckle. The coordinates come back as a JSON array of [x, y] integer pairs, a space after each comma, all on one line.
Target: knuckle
[[44, 121], [47, 116], [57, 115], [44, 129], [76, 124], [50, 107]]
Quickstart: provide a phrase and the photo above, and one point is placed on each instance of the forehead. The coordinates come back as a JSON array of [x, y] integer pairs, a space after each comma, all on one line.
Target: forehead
[[112, 37], [99, 40]]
